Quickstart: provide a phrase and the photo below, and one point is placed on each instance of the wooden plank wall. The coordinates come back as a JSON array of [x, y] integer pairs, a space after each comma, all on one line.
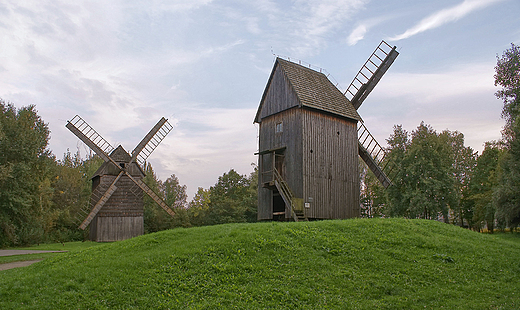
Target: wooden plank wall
[[329, 174], [290, 138], [111, 228], [124, 210], [279, 97], [330, 166], [280, 105]]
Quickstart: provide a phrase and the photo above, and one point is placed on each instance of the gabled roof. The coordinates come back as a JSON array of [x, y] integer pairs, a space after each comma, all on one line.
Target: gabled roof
[[119, 155], [313, 89]]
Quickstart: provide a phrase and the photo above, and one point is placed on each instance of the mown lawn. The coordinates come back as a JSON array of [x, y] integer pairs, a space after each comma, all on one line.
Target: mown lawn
[[350, 264]]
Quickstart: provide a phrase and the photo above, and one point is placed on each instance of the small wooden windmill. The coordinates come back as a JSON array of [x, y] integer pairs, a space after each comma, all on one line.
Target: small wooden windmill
[[310, 137], [117, 190]]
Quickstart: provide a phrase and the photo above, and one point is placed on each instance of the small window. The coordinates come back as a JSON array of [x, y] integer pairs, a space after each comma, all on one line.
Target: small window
[[279, 127]]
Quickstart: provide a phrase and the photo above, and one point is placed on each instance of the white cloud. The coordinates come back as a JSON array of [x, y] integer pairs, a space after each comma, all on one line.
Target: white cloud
[[357, 35], [307, 24], [445, 16], [363, 27]]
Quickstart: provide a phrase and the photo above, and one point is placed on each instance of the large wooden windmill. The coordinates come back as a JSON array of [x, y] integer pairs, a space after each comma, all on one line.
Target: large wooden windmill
[[310, 137], [117, 190]]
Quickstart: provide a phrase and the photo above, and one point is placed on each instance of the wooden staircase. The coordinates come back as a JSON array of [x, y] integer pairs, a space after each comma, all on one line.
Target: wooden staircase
[[295, 204]]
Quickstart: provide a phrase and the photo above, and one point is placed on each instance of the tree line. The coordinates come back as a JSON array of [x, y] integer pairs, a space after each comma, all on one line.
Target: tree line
[[436, 177]]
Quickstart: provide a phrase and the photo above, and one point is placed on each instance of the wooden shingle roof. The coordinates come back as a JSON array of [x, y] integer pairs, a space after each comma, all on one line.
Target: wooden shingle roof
[[314, 90]]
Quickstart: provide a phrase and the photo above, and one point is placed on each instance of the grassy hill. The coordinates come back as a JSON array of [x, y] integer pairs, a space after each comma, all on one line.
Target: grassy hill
[[351, 264]]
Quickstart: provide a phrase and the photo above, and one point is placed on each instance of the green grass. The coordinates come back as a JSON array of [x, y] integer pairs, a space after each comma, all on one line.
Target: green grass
[[351, 264]]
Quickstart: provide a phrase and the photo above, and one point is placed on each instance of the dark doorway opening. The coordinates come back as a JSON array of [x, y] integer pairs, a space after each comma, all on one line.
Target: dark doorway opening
[[278, 207]]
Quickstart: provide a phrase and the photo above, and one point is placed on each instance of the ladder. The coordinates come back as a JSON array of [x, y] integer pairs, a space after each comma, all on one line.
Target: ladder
[[295, 204], [374, 155], [370, 74]]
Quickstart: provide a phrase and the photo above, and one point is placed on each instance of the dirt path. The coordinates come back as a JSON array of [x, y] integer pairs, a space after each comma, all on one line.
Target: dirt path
[[21, 263], [18, 264], [22, 252]]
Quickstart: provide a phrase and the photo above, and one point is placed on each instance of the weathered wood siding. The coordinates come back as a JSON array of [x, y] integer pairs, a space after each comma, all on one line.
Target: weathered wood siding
[[290, 138], [279, 95], [330, 166], [279, 105], [111, 228], [122, 215], [321, 152]]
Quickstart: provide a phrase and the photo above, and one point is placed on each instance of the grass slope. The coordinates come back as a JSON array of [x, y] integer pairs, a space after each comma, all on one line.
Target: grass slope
[[351, 264]]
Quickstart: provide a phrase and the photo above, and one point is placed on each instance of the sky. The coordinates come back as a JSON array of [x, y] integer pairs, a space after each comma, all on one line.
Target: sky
[[203, 64]]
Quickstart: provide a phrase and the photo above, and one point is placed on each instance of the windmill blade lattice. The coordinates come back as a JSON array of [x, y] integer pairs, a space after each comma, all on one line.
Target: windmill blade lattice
[[374, 155], [153, 195], [151, 141], [100, 203], [90, 137], [370, 74]]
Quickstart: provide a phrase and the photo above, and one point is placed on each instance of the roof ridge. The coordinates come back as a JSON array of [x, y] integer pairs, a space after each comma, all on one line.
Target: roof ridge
[[312, 67], [315, 90]]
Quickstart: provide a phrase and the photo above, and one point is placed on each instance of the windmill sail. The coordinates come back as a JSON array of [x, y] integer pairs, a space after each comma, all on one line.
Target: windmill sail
[[100, 203], [90, 137], [151, 141], [152, 195], [374, 155], [370, 74], [364, 82]]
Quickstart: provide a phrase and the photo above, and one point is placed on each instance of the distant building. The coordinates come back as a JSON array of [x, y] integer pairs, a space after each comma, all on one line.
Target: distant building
[[122, 215]]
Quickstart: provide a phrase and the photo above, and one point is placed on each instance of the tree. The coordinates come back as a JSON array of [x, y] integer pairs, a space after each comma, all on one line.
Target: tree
[[175, 196], [227, 198], [373, 198], [198, 209], [482, 185], [507, 76], [154, 219], [72, 187], [432, 174], [399, 142], [233, 199], [462, 161], [507, 192], [25, 166], [430, 183]]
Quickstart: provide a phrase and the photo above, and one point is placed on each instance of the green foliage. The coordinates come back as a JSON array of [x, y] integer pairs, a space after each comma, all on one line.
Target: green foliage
[[507, 73], [507, 192], [462, 161], [373, 196], [349, 264], [233, 199], [72, 187], [482, 185], [173, 194], [25, 168], [432, 174], [199, 207]]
